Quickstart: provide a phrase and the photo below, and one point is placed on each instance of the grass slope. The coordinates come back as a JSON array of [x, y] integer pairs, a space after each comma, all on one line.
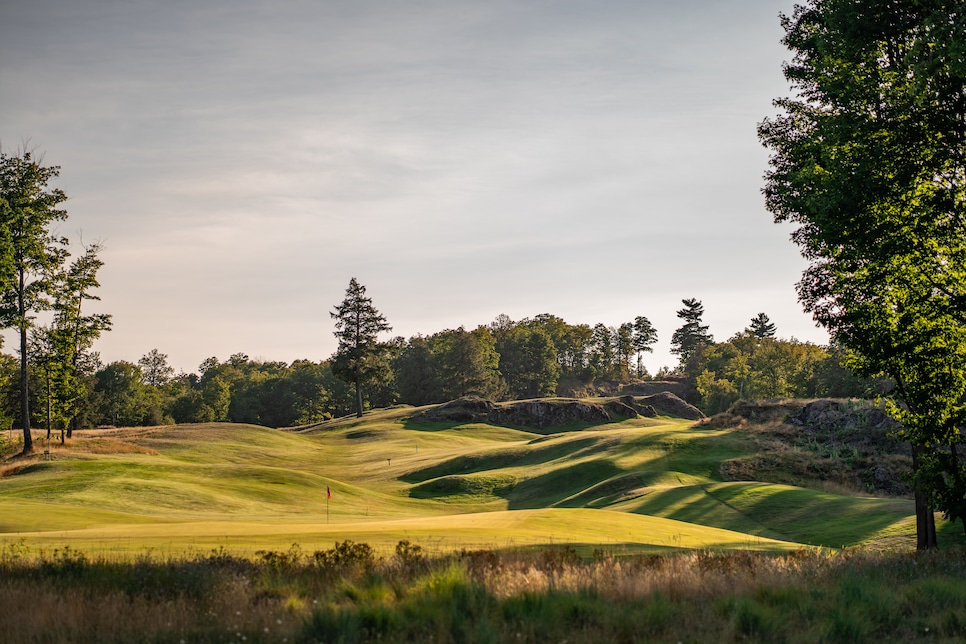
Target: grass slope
[[628, 484]]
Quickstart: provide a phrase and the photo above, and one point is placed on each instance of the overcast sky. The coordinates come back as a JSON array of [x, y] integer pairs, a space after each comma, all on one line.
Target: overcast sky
[[242, 160]]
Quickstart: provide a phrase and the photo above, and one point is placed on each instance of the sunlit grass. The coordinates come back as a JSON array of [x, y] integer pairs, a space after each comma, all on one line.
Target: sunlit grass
[[248, 487]]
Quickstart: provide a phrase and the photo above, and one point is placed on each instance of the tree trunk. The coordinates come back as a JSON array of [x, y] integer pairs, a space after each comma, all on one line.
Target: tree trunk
[[28, 442], [925, 518], [358, 399]]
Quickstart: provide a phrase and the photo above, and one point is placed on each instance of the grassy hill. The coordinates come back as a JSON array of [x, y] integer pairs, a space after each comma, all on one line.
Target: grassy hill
[[632, 485]]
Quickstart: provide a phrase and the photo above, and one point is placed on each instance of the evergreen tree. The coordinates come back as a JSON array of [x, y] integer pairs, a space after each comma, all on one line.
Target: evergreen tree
[[761, 327], [644, 336], [357, 326], [692, 334]]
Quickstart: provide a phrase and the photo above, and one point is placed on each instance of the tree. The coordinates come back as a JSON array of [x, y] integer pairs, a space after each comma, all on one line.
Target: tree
[[624, 349], [528, 362], [29, 253], [467, 363], [600, 351], [644, 336], [73, 330], [761, 327], [868, 161], [417, 378], [692, 334], [122, 391], [155, 368], [358, 324]]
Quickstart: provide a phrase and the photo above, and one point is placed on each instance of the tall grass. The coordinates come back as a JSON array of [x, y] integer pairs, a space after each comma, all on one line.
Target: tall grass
[[348, 594]]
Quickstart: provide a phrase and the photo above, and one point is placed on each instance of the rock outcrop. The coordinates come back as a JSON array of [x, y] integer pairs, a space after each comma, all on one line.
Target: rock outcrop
[[556, 412]]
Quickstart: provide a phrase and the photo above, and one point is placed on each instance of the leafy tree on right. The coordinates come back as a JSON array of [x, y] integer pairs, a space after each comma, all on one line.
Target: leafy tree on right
[[868, 160]]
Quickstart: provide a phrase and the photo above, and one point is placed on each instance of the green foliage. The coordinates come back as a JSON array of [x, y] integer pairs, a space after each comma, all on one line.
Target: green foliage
[[360, 357], [30, 254], [868, 162], [691, 335], [447, 365], [155, 369], [761, 327], [754, 368], [644, 336], [528, 362], [717, 394], [487, 596], [122, 394]]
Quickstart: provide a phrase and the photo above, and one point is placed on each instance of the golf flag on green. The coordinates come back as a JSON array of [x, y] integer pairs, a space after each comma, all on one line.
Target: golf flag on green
[[328, 492]]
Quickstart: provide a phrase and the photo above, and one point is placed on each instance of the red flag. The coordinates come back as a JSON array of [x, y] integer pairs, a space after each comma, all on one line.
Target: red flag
[[328, 492]]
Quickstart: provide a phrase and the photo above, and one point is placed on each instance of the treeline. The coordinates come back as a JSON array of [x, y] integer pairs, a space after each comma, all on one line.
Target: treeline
[[542, 356], [534, 357]]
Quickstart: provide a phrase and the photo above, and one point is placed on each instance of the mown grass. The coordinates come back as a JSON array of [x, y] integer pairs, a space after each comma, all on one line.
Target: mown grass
[[348, 593], [248, 487]]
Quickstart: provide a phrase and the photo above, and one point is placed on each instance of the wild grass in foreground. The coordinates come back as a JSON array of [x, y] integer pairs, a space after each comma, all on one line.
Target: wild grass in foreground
[[347, 594]]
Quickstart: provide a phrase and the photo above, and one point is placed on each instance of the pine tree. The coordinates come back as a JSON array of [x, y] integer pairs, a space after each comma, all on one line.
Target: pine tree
[[358, 324], [692, 334], [644, 336], [762, 327]]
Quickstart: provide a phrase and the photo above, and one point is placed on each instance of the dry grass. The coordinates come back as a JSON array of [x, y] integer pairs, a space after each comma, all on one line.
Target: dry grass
[[347, 594]]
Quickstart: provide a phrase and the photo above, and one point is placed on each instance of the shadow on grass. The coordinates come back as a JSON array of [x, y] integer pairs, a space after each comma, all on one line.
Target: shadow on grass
[[465, 486], [550, 489], [510, 457], [793, 514], [425, 426]]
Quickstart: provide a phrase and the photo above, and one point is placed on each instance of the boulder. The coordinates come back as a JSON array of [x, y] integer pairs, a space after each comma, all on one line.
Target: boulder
[[548, 413], [667, 404], [468, 409]]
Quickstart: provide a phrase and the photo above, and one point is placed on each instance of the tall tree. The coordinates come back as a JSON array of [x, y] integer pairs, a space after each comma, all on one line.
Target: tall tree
[[30, 253], [868, 160], [74, 329], [762, 327], [528, 362], [644, 336], [357, 327], [155, 368], [692, 334]]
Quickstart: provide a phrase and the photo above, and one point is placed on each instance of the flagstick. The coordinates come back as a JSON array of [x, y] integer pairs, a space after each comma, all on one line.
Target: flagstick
[[326, 508]]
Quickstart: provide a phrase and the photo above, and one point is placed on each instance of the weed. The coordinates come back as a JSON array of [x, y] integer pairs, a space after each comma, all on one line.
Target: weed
[[484, 596], [346, 554], [411, 556]]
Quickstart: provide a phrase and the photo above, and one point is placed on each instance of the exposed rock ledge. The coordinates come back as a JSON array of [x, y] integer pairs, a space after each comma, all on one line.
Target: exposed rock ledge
[[554, 412]]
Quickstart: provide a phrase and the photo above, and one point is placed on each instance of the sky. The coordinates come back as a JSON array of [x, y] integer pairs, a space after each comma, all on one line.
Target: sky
[[242, 160]]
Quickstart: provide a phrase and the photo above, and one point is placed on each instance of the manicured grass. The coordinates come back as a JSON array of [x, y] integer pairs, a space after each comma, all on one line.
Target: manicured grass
[[626, 533], [189, 488]]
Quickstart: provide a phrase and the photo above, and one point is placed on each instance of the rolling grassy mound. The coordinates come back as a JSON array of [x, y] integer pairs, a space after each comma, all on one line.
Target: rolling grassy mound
[[639, 483]]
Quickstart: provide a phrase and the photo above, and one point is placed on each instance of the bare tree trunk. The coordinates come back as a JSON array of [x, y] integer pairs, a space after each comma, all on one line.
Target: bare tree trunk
[[358, 399], [925, 518], [28, 441]]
